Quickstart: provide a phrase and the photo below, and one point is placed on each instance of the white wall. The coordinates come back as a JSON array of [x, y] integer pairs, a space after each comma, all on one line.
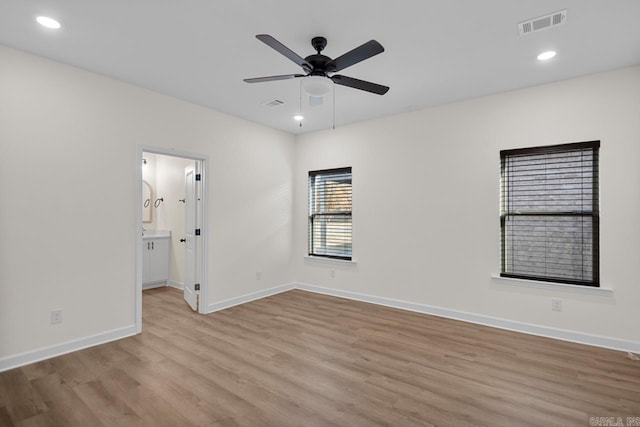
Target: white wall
[[68, 143], [426, 202], [426, 226]]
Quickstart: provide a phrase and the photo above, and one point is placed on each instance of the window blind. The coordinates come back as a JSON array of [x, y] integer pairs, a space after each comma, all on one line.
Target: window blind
[[550, 213], [330, 213]]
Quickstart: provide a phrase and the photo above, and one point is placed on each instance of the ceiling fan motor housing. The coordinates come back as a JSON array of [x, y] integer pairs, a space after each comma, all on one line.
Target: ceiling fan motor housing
[[318, 62]]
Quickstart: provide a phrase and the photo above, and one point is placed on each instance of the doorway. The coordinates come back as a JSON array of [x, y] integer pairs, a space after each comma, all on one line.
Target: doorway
[[171, 224]]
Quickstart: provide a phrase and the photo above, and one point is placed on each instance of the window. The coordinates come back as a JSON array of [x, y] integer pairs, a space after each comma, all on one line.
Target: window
[[330, 213], [549, 213]]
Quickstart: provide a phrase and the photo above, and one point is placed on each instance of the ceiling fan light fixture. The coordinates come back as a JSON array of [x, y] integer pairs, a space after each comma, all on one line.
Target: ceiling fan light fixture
[[298, 117], [317, 85]]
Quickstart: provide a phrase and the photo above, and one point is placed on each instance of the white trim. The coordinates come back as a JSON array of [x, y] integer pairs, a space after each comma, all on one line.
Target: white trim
[[39, 354], [221, 305], [552, 286], [315, 258], [137, 289], [526, 328], [176, 284]]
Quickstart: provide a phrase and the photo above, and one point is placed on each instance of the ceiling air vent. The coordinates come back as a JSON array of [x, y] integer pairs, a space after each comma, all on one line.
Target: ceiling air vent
[[273, 103], [542, 22]]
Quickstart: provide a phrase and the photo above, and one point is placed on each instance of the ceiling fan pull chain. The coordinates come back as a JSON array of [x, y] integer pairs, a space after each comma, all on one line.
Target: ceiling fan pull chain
[[300, 109], [334, 106]]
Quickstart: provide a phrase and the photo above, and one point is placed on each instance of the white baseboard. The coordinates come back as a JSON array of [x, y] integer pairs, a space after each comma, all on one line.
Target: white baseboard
[[154, 285], [221, 305], [177, 285], [21, 359], [37, 355], [527, 328]]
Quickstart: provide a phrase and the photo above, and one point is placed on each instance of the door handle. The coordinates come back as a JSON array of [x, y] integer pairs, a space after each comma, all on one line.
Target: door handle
[[148, 246], [151, 245], [183, 240]]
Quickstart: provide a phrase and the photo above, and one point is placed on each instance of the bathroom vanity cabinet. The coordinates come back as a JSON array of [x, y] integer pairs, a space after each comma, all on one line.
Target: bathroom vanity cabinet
[[155, 258]]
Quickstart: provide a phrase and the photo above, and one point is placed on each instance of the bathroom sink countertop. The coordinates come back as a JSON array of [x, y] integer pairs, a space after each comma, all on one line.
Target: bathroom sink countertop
[[147, 234]]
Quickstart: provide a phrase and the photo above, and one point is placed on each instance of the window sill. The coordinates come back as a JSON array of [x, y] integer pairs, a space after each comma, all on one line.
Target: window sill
[[590, 290], [329, 260]]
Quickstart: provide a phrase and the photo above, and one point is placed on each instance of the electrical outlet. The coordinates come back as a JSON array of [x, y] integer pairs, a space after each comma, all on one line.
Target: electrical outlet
[[56, 316], [333, 273], [258, 275], [556, 304]]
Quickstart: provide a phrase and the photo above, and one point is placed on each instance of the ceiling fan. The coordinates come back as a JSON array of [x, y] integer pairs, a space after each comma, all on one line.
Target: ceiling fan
[[320, 68]]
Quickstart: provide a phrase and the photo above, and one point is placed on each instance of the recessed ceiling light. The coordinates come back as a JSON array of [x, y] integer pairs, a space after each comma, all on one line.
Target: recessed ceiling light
[[45, 21], [546, 55], [298, 117]]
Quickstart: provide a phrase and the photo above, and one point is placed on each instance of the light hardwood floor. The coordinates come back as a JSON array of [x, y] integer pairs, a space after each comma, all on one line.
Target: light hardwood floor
[[305, 359]]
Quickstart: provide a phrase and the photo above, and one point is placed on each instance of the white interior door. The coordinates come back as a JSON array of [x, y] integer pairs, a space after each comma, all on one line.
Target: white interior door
[[190, 276]]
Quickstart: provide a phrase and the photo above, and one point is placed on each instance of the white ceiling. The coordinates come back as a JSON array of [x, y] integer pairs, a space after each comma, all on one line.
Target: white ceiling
[[436, 51]]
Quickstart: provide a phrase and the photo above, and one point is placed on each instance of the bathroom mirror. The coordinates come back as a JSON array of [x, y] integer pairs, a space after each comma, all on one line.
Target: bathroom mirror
[[147, 202]]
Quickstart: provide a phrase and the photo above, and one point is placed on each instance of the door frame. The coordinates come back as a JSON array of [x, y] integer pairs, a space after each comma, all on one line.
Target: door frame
[[204, 224]]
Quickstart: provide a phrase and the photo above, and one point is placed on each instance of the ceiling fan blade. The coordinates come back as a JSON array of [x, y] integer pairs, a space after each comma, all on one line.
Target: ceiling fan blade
[[362, 52], [360, 84], [273, 78], [275, 44]]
